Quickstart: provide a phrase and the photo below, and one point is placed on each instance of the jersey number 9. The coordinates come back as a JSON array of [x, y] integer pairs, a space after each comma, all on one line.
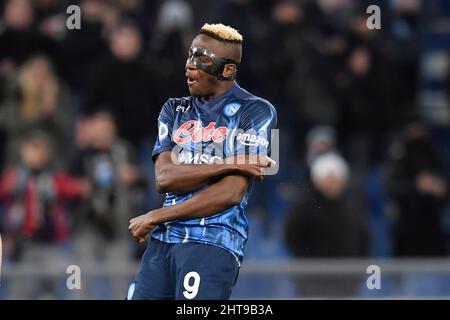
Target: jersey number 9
[[191, 290]]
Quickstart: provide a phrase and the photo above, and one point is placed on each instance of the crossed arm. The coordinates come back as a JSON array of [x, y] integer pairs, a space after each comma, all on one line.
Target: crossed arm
[[185, 178], [230, 181]]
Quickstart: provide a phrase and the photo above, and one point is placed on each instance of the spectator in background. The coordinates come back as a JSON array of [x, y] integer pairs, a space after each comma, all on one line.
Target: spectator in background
[[80, 50], [36, 220], [137, 10], [319, 140], [171, 41], [124, 83], [44, 9], [51, 18], [404, 28], [20, 39], [326, 225], [362, 125], [109, 164], [418, 188], [281, 47], [101, 225], [316, 51], [38, 100]]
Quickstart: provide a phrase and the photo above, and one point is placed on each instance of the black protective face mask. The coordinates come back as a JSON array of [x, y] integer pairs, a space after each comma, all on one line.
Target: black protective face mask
[[210, 63]]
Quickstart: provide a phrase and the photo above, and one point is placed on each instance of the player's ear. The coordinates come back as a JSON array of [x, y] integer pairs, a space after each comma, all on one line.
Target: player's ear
[[229, 70]]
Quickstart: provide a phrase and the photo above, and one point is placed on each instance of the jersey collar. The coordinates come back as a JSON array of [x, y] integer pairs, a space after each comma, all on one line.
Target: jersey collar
[[235, 89]]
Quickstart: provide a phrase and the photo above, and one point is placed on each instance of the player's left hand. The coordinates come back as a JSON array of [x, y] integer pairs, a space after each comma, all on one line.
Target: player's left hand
[[140, 227]]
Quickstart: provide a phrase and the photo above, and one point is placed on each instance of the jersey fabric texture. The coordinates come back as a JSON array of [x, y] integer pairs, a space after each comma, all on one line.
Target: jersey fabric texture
[[199, 131]]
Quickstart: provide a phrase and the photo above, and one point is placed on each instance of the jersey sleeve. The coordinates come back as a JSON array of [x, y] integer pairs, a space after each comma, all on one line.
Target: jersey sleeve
[[165, 126], [255, 128]]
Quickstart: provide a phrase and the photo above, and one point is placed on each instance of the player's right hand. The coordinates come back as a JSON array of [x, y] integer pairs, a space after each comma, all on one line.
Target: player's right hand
[[140, 227]]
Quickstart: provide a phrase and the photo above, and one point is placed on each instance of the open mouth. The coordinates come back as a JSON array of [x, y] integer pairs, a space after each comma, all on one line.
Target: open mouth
[[191, 81]]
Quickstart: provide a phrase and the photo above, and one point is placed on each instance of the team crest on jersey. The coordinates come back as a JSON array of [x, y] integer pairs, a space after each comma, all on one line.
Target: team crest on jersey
[[231, 109]]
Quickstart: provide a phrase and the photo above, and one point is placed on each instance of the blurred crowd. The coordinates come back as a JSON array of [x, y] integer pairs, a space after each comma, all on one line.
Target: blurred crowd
[[361, 171]]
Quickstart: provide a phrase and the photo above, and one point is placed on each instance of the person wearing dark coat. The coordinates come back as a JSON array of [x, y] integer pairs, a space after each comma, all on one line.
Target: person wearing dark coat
[[418, 188], [124, 85], [326, 224]]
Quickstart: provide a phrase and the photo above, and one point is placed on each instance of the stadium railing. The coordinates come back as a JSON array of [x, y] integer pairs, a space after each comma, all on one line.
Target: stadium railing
[[284, 279]]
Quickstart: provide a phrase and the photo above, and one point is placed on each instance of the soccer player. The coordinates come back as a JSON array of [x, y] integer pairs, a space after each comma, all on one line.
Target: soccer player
[[198, 236]]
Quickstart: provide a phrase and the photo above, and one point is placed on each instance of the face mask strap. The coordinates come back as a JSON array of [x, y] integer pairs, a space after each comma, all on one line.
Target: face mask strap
[[233, 76]]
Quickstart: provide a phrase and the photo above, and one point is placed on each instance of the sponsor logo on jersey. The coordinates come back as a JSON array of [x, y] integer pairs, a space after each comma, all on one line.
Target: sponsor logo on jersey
[[187, 157], [252, 140], [192, 130], [231, 109]]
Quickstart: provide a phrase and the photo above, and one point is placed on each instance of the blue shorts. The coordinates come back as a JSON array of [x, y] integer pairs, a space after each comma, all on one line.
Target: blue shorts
[[184, 271]]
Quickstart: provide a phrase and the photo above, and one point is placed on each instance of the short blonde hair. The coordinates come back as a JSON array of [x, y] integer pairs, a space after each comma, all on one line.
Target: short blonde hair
[[222, 33]]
